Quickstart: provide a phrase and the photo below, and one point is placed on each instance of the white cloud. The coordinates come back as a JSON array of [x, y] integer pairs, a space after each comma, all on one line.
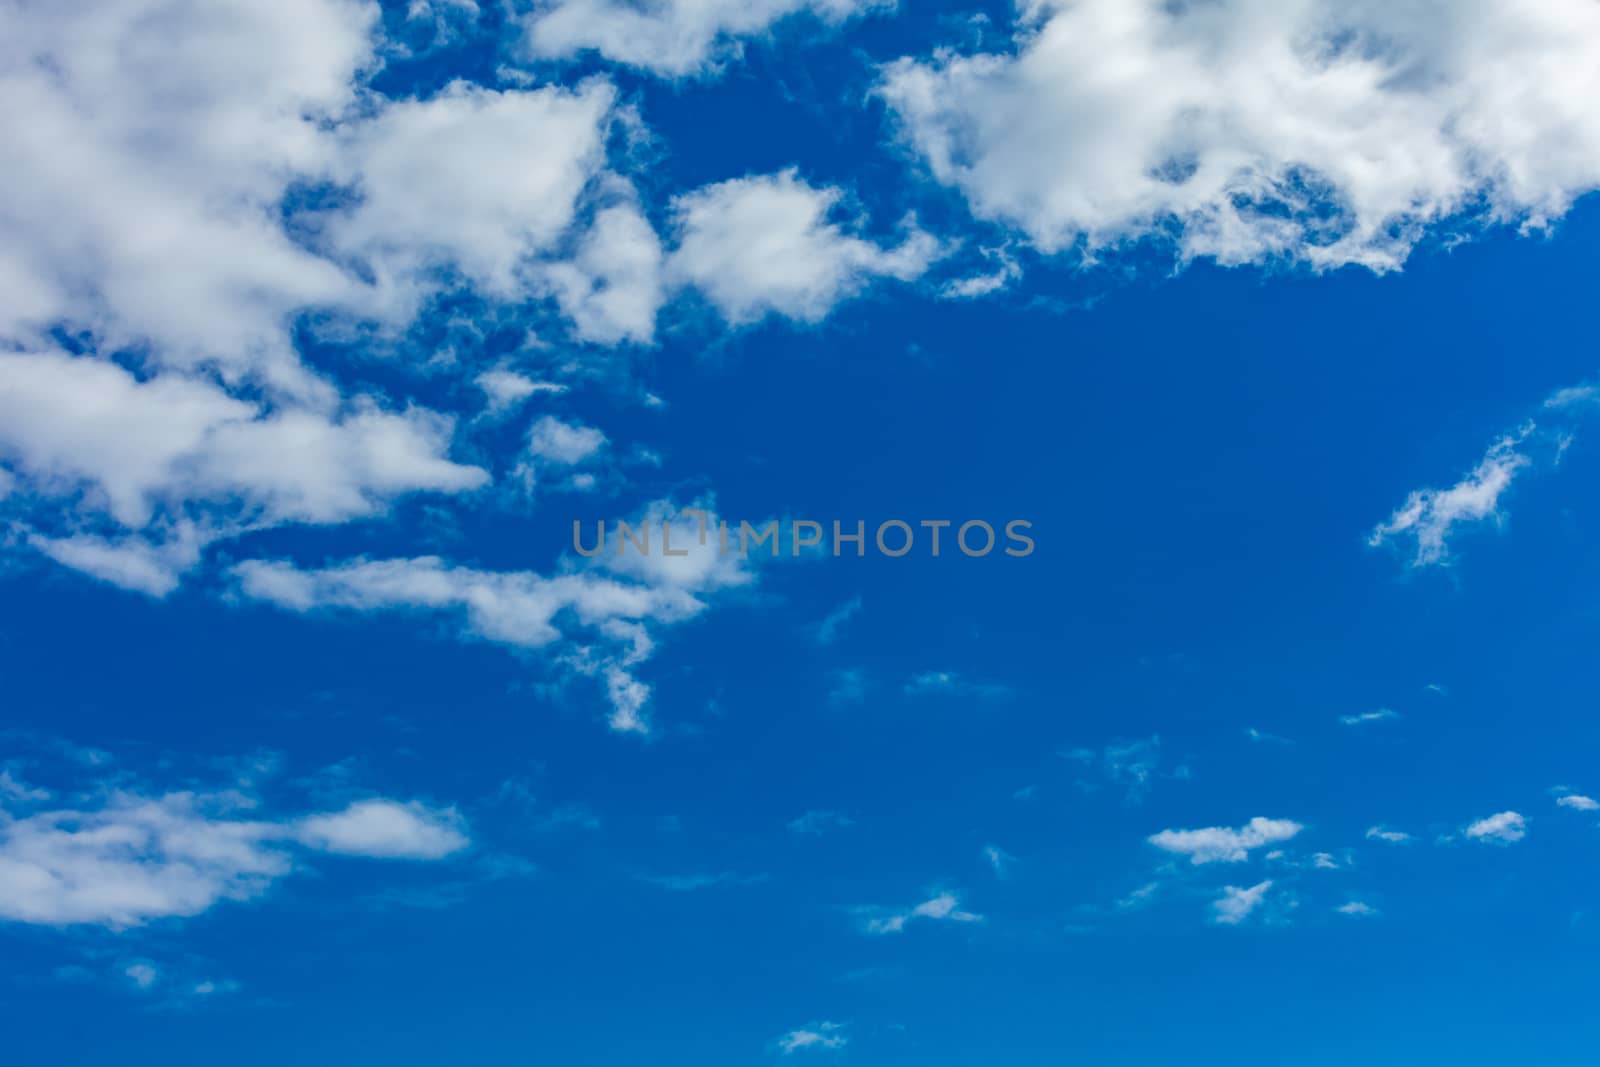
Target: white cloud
[[1505, 828], [817, 822], [1235, 904], [998, 859], [765, 245], [141, 975], [672, 38], [151, 144], [135, 858], [827, 631], [176, 459], [476, 179], [1577, 802], [1361, 718], [1357, 909], [605, 619], [1429, 516], [815, 1036], [612, 286], [563, 443], [384, 829], [505, 389], [945, 907], [1220, 844], [1392, 837], [1324, 131]]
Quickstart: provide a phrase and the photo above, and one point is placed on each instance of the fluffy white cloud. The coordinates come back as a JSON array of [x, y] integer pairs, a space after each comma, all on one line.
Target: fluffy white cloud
[[475, 179], [563, 443], [766, 245], [1357, 909], [384, 829], [815, 1036], [1504, 828], [1429, 516], [667, 37], [1221, 844], [1578, 802], [135, 858], [150, 146], [1325, 131], [176, 459], [1236, 904], [612, 286]]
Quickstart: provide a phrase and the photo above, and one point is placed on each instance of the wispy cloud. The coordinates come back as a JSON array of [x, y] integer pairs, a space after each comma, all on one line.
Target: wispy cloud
[[945, 907], [813, 1036], [818, 822], [1386, 835], [949, 683], [827, 631], [1364, 717], [1578, 802]]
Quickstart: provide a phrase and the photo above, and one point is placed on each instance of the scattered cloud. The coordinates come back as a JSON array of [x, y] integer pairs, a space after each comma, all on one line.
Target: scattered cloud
[[669, 38], [815, 1036], [827, 631], [1236, 905], [1317, 132], [945, 907], [765, 245], [1505, 828], [1430, 516], [1220, 844], [1386, 835], [1357, 909], [1364, 717], [819, 822], [1578, 802], [131, 857]]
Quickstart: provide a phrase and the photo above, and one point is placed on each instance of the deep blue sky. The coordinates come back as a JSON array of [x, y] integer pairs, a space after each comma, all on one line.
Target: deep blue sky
[[1202, 453]]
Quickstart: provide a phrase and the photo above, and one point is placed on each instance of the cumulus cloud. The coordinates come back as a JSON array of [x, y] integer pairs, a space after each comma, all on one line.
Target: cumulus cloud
[[815, 1036], [1357, 909], [766, 244], [134, 858], [474, 179], [563, 443], [1578, 802], [166, 463], [1504, 828], [1236, 904], [672, 38], [1221, 844], [384, 829], [1320, 131]]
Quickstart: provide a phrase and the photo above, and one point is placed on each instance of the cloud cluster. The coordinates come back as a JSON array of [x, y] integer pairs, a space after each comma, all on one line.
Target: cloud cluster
[[134, 858], [672, 38], [1327, 132]]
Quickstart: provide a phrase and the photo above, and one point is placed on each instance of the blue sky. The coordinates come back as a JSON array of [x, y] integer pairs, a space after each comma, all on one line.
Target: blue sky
[[322, 323]]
